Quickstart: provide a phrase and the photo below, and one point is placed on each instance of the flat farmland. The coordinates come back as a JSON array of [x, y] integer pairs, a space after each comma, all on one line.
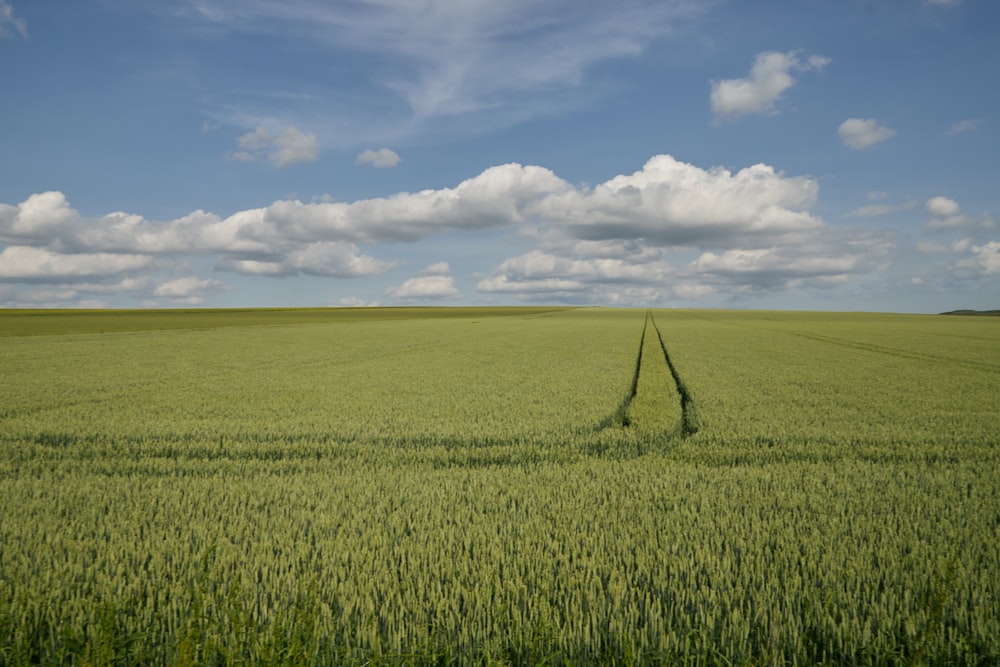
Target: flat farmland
[[498, 486]]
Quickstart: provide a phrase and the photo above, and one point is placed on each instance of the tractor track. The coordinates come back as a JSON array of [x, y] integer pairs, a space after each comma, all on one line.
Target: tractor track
[[689, 413], [689, 416]]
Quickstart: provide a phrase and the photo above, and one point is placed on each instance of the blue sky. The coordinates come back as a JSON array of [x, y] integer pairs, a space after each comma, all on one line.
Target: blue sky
[[801, 154]]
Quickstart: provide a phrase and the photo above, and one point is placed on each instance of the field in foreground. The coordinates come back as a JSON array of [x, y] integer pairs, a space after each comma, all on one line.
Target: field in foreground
[[409, 486]]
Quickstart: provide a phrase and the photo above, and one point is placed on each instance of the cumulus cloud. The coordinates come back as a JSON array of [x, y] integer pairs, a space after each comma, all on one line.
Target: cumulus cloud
[[189, 290], [337, 259], [770, 76], [672, 203], [24, 263], [434, 282], [821, 262], [859, 133], [290, 146], [9, 22], [777, 266], [543, 275], [670, 230], [753, 228], [946, 214], [984, 260], [334, 259], [380, 159], [497, 197], [943, 207]]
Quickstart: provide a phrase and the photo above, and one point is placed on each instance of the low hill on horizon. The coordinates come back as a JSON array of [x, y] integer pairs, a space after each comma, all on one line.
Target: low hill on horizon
[[973, 312]]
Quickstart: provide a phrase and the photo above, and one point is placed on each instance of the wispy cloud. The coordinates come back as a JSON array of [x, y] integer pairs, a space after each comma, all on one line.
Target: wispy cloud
[[860, 133], [10, 22], [872, 210], [964, 126], [448, 58]]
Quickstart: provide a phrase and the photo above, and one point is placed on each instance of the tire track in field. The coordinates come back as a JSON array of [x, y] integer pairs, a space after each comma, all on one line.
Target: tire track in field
[[892, 351], [689, 412], [868, 347], [620, 416], [689, 415]]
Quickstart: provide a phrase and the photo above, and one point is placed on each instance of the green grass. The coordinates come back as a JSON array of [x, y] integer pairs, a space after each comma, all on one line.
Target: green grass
[[457, 487]]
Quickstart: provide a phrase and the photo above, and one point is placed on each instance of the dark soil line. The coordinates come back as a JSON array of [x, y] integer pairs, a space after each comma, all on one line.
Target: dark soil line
[[689, 415], [622, 416]]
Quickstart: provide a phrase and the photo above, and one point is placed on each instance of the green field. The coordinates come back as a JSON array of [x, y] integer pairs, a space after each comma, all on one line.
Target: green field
[[498, 486]]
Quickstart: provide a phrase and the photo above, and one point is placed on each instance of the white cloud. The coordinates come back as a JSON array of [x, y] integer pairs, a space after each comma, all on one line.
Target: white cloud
[[24, 263], [571, 272], [963, 126], [943, 3], [189, 290], [434, 282], [672, 203], [334, 259], [724, 232], [9, 21], [610, 243], [947, 215], [859, 133], [770, 76], [985, 260], [45, 214], [438, 269], [380, 159], [943, 207], [356, 302], [289, 147], [821, 262], [779, 263], [499, 196], [293, 146], [444, 59]]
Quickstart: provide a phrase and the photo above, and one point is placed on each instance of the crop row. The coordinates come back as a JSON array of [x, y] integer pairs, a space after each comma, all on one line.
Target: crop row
[[640, 560]]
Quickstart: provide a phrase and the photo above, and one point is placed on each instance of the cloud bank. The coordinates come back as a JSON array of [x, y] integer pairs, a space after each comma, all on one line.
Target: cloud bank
[[671, 231]]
